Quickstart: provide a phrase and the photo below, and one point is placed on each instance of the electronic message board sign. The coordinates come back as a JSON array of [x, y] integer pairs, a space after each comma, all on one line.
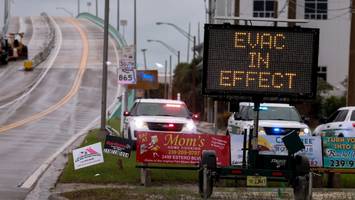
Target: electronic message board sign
[[260, 61]]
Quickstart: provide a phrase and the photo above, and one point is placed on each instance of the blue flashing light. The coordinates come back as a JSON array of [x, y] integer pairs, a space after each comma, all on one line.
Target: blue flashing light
[[276, 130], [263, 108]]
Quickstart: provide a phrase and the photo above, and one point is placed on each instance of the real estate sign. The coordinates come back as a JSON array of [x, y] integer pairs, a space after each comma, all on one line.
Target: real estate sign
[[88, 156]]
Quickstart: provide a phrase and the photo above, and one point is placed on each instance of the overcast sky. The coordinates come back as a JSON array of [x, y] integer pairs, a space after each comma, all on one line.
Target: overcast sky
[[179, 12]]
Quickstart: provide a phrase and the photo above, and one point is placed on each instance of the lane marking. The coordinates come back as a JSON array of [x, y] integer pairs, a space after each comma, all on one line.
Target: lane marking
[[70, 94], [32, 179]]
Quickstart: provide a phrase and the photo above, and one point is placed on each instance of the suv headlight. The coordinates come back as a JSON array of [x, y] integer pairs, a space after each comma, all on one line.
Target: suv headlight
[[305, 131], [262, 131], [190, 126], [140, 124]]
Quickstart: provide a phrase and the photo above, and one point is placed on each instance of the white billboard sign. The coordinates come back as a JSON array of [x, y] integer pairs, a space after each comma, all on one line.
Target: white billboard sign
[[88, 156], [273, 145]]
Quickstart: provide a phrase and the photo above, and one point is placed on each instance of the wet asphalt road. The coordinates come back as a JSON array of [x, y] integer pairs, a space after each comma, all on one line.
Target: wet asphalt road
[[63, 103]]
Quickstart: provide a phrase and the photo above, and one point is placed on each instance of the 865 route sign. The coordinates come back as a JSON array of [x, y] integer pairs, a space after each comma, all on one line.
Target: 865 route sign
[[256, 60], [126, 75]]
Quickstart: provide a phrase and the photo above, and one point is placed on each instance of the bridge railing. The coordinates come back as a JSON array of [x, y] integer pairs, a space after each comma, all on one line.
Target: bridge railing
[[121, 43]]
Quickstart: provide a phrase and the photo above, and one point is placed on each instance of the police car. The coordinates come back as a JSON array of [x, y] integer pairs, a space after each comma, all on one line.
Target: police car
[[341, 124], [159, 115], [274, 119]]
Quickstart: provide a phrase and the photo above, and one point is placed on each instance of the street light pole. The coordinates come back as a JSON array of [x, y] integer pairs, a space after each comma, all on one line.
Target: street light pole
[[171, 49], [165, 80], [118, 15], [170, 78], [178, 57], [78, 7], [97, 9], [65, 10], [104, 65], [144, 58], [351, 82], [135, 33], [188, 44]]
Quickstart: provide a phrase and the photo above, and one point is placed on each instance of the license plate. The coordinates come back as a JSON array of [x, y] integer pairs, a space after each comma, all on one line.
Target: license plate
[[259, 181]]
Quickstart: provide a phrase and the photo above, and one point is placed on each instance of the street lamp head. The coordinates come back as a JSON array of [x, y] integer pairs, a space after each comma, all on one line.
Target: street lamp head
[[143, 50], [159, 65], [159, 23]]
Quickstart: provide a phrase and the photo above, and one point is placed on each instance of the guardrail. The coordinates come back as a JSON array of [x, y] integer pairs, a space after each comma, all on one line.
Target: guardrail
[[120, 42], [43, 55]]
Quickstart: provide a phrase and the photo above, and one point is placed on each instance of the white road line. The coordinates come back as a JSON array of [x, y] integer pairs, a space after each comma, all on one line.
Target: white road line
[[51, 61], [29, 182]]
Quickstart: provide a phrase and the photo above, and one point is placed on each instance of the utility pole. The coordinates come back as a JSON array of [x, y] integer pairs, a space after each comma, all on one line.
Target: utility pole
[[144, 58], [97, 9], [188, 44], [178, 57], [170, 78], [292, 12], [135, 33], [165, 80], [194, 76], [351, 77], [118, 15], [236, 10], [78, 7], [104, 65]]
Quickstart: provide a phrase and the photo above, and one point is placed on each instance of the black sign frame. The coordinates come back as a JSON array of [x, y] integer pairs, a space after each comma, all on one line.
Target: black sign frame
[[118, 146], [260, 94]]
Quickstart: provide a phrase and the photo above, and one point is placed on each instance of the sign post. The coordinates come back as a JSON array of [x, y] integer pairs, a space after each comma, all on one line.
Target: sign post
[[126, 74]]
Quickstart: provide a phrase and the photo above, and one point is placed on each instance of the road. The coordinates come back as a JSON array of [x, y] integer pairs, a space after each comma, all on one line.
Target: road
[[37, 121]]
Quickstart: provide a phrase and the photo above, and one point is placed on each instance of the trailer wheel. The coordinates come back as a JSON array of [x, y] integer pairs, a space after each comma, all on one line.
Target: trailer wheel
[[209, 164]]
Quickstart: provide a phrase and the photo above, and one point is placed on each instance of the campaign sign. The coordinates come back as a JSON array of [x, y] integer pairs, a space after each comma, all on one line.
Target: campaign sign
[[118, 146], [177, 148], [339, 152], [273, 145], [87, 156]]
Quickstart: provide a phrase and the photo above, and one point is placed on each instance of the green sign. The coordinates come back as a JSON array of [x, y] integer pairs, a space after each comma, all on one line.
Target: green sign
[[339, 152]]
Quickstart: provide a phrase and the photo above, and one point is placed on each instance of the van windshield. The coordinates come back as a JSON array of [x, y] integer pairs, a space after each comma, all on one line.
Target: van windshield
[[272, 113]]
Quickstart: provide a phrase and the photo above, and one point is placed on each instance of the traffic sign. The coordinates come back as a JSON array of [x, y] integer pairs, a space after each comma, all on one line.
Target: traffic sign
[[126, 75], [260, 61]]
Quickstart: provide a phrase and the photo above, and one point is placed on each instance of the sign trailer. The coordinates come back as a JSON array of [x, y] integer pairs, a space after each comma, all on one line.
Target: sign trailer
[[258, 62]]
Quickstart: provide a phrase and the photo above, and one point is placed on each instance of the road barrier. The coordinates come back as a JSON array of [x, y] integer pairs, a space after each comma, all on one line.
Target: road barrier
[[120, 42], [43, 55]]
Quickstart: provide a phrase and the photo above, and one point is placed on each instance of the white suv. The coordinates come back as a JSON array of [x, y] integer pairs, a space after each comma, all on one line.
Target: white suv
[[158, 115], [341, 123], [274, 119]]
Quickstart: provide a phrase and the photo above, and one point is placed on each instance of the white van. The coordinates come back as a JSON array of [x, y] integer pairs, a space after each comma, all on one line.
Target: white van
[[274, 119]]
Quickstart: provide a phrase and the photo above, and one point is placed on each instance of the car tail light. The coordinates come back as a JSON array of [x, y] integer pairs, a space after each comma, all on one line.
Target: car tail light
[[171, 125], [354, 125], [276, 174], [236, 171]]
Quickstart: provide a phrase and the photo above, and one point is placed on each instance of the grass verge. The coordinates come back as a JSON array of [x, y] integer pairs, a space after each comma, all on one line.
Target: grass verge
[[131, 194], [109, 171]]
